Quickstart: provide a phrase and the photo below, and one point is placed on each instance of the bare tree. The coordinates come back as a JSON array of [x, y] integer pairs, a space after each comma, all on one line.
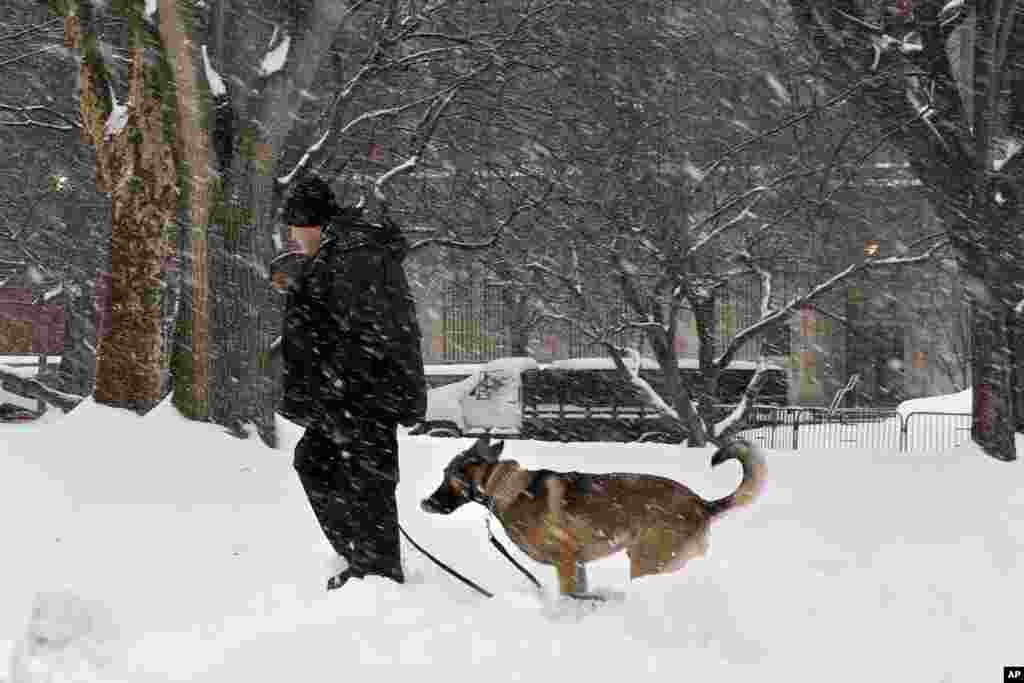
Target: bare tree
[[666, 210]]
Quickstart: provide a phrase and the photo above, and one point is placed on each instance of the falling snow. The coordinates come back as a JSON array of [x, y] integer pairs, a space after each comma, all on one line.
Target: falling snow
[[777, 87]]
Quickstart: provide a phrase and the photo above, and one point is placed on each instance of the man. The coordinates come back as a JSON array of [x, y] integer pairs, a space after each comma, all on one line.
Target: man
[[353, 371]]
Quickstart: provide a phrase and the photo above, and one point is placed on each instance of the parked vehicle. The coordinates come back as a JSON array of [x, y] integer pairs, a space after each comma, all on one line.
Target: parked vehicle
[[582, 399], [488, 399], [439, 375], [10, 412]]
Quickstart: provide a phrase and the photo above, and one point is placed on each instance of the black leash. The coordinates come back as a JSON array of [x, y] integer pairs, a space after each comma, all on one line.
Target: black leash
[[475, 586], [442, 565], [501, 549]]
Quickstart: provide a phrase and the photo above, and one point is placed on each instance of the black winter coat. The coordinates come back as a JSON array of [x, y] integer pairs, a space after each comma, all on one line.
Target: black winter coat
[[351, 341]]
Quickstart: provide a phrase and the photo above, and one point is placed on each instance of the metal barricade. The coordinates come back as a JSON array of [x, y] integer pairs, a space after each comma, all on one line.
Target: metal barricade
[[794, 427]]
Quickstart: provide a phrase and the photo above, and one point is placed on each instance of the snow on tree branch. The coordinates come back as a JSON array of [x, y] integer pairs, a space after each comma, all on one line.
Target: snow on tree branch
[[496, 234], [217, 87], [118, 118], [34, 28], [388, 112], [776, 316], [378, 185], [313, 149], [31, 387], [274, 60], [735, 417], [25, 55], [839, 98], [571, 282], [424, 132], [758, 193], [766, 282], [632, 370], [26, 116]]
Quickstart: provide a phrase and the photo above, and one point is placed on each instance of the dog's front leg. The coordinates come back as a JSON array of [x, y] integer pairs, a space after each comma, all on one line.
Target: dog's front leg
[[572, 576], [581, 579]]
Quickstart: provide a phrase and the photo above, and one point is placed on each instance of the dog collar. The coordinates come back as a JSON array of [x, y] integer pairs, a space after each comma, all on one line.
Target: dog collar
[[505, 482]]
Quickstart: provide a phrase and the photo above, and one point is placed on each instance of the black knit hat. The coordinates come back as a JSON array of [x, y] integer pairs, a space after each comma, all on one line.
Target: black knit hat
[[311, 203]]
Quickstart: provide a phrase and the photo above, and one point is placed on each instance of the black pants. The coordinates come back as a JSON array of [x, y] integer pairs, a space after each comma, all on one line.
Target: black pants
[[351, 488]]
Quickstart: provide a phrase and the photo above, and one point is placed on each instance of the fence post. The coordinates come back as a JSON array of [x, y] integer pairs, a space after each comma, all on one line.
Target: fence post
[[796, 429], [904, 425], [40, 372]]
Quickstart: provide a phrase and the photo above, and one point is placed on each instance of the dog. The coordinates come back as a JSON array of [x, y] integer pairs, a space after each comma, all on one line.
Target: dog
[[567, 519]]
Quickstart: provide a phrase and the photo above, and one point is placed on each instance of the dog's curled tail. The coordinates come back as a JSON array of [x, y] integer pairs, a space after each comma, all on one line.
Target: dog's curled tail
[[755, 474]]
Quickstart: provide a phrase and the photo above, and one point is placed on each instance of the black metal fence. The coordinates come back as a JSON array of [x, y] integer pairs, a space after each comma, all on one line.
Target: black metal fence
[[793, 427]]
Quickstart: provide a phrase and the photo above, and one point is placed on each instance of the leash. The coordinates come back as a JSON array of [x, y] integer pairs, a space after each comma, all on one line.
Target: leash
[[469, 582], [479, 589], [501, 549]]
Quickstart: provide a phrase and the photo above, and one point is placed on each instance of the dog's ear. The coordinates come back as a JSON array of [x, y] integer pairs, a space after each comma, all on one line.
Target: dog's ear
[[483, 446], [497, 449]]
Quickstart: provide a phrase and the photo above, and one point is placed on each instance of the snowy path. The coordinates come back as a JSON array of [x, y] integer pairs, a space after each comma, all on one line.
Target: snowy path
[[190, 556]]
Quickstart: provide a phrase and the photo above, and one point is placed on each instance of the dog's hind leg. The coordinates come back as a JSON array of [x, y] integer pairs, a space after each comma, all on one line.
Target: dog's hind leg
[[640, 565], [652, 552], [664, 552], [582, 588]]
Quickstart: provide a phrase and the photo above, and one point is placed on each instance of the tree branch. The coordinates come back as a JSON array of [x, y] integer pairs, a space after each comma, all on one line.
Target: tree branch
[[840, 97], [776, 316], [28, 120], [31, 387], [425, 131]]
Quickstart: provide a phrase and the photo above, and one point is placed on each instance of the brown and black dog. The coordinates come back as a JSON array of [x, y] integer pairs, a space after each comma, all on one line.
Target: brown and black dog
[[567, 519]]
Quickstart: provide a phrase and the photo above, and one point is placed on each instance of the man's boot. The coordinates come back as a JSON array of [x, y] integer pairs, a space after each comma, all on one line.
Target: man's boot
[[342, 577]]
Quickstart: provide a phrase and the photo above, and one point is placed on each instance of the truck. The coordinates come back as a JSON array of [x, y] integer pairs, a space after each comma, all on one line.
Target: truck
[[579, 399]]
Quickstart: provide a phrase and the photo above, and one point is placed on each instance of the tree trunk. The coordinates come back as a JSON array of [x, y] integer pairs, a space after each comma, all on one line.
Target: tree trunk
[[1016, 335], [245, 319], [985, 243], [128, 357], [518, 325], [262, 318], [77, 371], [680, 395], [191, 391], [704, 317], [994, 421], [136, 166]]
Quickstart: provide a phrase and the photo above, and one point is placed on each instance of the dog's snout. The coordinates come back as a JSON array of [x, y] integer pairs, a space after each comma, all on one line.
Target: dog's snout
[[435, 506], [442, 502]]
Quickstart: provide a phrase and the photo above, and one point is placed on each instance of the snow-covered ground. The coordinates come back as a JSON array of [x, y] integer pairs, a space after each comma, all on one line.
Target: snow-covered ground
[[153, 549]]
